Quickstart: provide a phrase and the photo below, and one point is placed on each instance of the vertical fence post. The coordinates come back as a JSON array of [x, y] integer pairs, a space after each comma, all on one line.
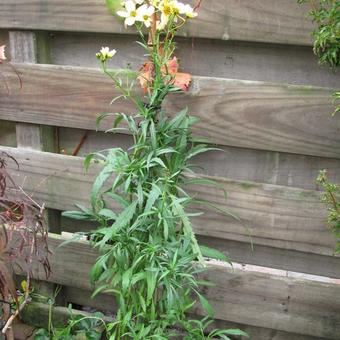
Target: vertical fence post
[[24, 49]]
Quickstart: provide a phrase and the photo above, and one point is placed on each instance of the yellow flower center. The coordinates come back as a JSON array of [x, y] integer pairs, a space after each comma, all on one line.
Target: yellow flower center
[[145, 17], [175, 11], [167, 10], [133, 14]]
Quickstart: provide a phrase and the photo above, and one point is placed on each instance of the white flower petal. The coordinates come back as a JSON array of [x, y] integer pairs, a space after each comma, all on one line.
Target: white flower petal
[[130, 21], [123, 14], [142, 9], [151, 10], [111, 53], [130, 6]]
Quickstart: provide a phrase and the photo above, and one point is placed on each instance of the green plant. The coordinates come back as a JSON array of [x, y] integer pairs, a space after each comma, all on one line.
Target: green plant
[[150, 258], [326, 14], [79, 327], [336, 101], [331, 198]]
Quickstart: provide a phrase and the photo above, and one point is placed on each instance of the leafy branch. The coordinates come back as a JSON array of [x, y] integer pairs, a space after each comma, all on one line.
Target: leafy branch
[[326, 15], [149, 255], [331, 198]]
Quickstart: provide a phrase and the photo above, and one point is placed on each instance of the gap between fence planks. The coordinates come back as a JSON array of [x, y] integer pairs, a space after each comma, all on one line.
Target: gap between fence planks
[[281, 22], [286, 304], [279, 217], [250, 114]]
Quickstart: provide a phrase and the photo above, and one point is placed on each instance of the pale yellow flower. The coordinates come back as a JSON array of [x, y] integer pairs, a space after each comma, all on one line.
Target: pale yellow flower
[[167, 8], [105, 53], [187, 10], [144, 14], [130, 13]]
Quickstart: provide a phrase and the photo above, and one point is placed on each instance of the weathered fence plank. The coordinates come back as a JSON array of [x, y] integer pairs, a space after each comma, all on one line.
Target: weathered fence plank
[[286, 304], [261, 20], [80, 297], [239, 113], [282, 218], [202, 57], [24, 49], [293, 170]]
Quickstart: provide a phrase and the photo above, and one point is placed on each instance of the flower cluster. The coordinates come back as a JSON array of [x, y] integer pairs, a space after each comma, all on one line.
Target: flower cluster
[[105, 54], [162, 11]]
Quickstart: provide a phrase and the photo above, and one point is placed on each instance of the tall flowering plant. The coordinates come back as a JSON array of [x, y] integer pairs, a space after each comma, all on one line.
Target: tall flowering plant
[[150, 258]]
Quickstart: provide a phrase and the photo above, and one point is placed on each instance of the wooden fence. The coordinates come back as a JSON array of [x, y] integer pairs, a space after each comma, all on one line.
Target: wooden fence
[[274, 126]]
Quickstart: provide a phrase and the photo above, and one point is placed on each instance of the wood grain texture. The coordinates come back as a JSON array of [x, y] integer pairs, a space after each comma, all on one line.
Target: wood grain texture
[[241, 252], [242, 164], [239, 113], [281, 21], [275, 216], [289, 64], [24, 49], [82, 297], [286, 304]]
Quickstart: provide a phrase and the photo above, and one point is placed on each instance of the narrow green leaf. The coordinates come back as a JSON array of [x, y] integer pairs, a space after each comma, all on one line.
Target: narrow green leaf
[[78, 215], [188, 229], [119, 199], [214, 254], [236, 332], [101, 117], [153, 196], [206, 305], [107, 213], [98, 184]]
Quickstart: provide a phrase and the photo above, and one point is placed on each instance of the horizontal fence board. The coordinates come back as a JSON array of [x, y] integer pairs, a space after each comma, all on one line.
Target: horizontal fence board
[[248, 114], [286, 169], [286, 304], [241, 252], [259, 20], [230, 59], [284, 259], [275, 216], [79, 296], [83, 298]]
